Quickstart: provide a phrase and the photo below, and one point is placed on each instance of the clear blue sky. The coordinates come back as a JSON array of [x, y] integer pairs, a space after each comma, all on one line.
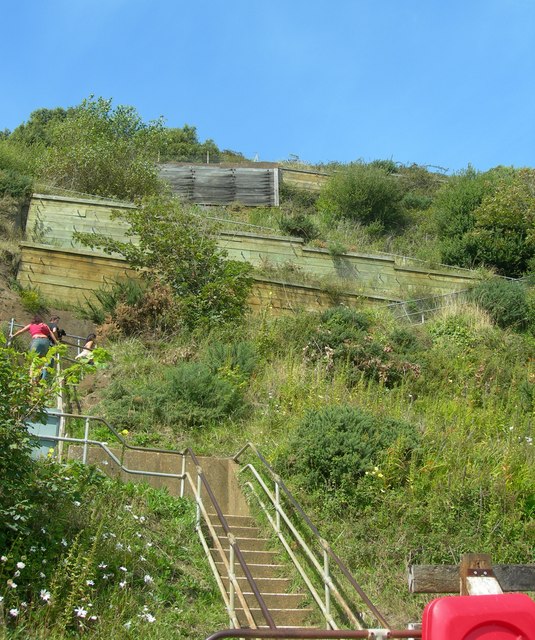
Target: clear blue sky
[[440, 82]]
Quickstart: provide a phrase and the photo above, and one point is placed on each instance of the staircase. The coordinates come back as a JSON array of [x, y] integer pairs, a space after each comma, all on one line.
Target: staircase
[[253, 578], [287, 608]]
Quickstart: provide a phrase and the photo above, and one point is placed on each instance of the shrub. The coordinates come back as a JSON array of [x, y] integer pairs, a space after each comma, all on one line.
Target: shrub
[[177, 247], [235, 360], [299, 225], [15, 184], [413, 200], [132, 307], [505, 301], [191, 395], [341, 338], [363, 194], [333, 447]]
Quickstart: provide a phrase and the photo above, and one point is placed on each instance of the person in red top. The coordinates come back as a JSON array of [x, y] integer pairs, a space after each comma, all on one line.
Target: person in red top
[[41, 336]]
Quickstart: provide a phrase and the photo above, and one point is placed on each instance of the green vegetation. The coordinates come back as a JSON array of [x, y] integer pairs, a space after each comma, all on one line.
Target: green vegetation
[[404, 443], [206, 288], [81, 554]]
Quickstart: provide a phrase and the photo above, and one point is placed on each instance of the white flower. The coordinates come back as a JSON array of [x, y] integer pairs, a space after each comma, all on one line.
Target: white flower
[[76, 503], [14, 613], [45, 595], [64, 542], [20, 565], [148, 579], [16, 574], [11, 584], [119, 545], [92, 617], [80, 612], [148, 617], [102, 565], [24, 604], [127, 625], [123, 569], [3, 558], [42, 575], [142, 559], [122, 584], [89, 583], [142, 519]]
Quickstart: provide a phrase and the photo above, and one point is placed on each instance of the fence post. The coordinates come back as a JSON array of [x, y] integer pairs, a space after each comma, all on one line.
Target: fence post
[[86, 438], [198, 501], [231, 574], [327, 579], [182, 481], [277, 507]]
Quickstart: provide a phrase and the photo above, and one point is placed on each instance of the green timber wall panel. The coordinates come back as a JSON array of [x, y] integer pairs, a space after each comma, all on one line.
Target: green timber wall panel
[[70, 276], [52, 220]]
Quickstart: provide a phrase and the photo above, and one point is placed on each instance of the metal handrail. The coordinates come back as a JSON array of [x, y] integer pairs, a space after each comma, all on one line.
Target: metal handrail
[[328, 551], [317, 634], [234, 550]]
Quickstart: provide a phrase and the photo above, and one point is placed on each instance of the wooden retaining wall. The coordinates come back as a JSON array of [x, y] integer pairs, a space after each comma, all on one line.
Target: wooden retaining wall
[[53, 219], [71, 276], [218, 185]]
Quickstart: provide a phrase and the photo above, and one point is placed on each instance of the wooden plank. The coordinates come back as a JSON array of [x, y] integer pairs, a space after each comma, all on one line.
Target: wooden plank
[[476, 575], [445, 578]]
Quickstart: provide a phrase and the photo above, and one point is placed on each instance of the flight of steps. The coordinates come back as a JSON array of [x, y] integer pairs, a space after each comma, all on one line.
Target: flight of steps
[[287, 609]]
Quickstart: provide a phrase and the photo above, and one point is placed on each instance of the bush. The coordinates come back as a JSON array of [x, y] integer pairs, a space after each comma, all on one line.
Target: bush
[[342, 338], [363, 194], [333, 447], [15, 184], [178, 248], [131, 307], [299, 225], [505, 301], [235, 360]]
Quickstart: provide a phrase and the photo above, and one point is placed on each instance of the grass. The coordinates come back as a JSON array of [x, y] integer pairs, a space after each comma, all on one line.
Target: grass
[[125, 564], [466, 489]]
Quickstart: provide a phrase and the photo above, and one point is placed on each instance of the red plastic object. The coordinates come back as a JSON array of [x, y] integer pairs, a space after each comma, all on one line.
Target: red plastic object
[[509, 616]]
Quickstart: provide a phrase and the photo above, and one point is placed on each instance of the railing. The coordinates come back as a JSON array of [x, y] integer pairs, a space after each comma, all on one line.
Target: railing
[[319, 634], [77, 344], [235, 555], [321, 563]]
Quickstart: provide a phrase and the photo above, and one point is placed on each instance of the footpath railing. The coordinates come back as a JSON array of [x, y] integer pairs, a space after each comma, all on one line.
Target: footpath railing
[[278, 506], [196, 486]]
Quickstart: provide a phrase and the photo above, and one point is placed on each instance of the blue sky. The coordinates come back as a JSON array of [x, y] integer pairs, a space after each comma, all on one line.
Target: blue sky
[[436, 82]]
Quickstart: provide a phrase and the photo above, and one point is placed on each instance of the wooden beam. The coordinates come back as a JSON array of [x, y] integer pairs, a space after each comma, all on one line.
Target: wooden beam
[[430, 578], [477, 575]]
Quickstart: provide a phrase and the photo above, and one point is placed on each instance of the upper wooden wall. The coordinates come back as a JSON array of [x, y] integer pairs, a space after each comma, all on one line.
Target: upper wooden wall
[[53, 219], [213, 184], [307, 180]]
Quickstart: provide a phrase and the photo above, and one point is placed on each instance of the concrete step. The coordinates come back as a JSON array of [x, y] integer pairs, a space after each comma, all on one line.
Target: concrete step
[[275, 600], [257, 570], [246, 544], [233, 520], [239, 532], [266, 585], [281, 617], [253, 557]]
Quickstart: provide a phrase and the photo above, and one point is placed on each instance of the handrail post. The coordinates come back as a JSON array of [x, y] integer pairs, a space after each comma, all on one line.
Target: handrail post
[[86, 438], [182, 482], [327, 580], [198, 501], [11, 327], [231, 574], [277, 507]]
